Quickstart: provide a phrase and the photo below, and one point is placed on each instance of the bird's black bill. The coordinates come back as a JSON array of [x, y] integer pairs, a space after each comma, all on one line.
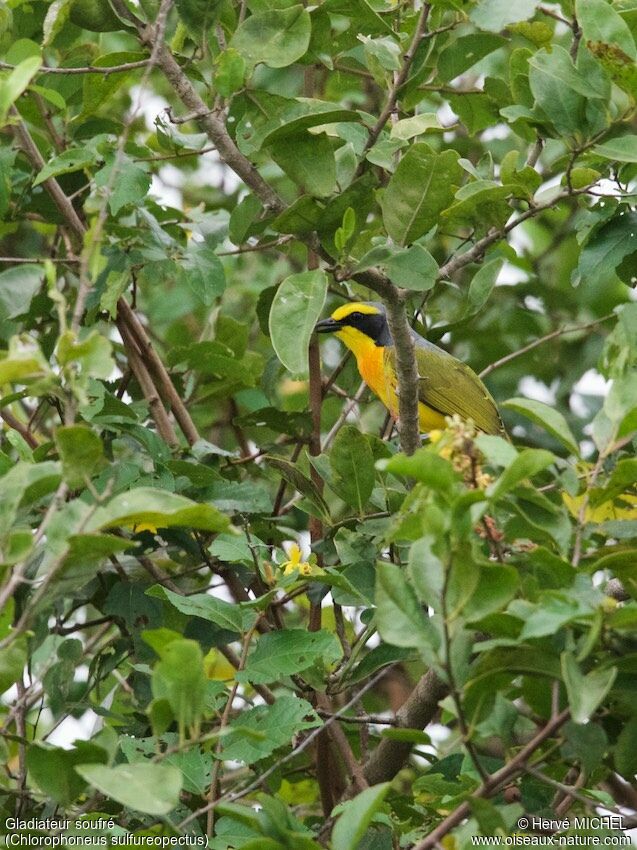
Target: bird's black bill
[[327, 326]]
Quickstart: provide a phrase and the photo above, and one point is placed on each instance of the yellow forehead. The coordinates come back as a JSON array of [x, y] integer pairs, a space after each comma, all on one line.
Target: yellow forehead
[[354, 307]]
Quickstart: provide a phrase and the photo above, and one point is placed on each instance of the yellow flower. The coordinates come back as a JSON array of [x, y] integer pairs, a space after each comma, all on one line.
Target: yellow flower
[[295, 564]]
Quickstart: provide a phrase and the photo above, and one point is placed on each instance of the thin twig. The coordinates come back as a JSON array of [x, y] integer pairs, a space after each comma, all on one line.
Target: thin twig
[[85, 69], [517, 765], [400, 78], [546, 338]]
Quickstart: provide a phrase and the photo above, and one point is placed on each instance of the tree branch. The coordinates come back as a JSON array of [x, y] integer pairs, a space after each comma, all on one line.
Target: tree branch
[[86, 69], [416, 713], [496, 780], [399, 81], [407, 371]]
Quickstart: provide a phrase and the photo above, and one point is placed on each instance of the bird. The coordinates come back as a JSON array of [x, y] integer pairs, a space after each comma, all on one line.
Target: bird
[[447, 386]]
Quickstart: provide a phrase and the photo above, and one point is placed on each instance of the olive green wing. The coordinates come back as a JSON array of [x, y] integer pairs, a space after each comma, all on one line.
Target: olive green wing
[[450, 386]]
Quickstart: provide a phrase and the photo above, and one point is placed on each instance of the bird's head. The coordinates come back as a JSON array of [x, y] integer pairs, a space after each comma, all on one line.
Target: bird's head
[[356, 323]]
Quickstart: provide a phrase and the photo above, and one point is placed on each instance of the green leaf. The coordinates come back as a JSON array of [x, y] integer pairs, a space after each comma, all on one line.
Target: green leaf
[[610, 249], [464, 52], [224, 614], [17, 288], [13, 659], [131, 186], [356, 816], [16, 82], [288, 651], [480, 205], [423, 186], [308, 489], [585, 692], [529, 462], [257, 733], [619, 149], [268, 118], [68, 161], [276, 37], [481, 286], [601, 23], [96, 89], [149, 506], [308, 160], [203, 271], [94, 354], [407, 128], [493, 15], [625, 751], [546, 417], [497, 585], [179, 678], [81, 452], [352, 464], [413, 268], [230, 71], [425, 466], [53, 769], [145, 787], [295, 310], [561, 90], [400, 618]]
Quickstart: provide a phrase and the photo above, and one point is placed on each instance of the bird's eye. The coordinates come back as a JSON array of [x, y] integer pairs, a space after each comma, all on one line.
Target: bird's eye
[[356, 315]]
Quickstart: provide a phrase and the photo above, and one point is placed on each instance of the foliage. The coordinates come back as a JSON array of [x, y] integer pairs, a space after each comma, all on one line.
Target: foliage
[[228, 570]]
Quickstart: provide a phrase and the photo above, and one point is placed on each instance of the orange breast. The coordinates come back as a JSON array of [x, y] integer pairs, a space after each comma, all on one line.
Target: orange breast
[[372, 368]]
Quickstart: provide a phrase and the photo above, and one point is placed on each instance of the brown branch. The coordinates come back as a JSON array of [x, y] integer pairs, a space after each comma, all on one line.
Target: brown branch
[[150, 356], [416, 713], [78, 230], [214, 790], [401, 76], [407, 371], [86, 69], [21, 428], [516, 766], [546, 338], [138, 367], [476, 252]]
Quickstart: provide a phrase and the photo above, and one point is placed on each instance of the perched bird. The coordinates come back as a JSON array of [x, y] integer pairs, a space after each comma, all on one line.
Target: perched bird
[[446, 385]]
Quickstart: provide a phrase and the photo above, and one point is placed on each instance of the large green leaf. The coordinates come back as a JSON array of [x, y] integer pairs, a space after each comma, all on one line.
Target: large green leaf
[[224, 614], [619, 149], [529, 462], [145, 786], [400, 618], [295, 310], [464, 52], [81, 452], [149, 506], [610, 249], [308, 160], [53, 769], [601, 23], [561, 90], [288, 651], [276, 37], [356, 816], [546, 417], [352, 464], [423, 186], [179, 678], [493, 15], [257, 733], [585, 692], [17, 288], [12, 85]]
